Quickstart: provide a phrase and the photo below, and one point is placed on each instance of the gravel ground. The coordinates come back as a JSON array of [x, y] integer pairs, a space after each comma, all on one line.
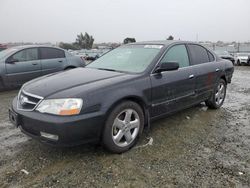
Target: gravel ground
[[197, 147]]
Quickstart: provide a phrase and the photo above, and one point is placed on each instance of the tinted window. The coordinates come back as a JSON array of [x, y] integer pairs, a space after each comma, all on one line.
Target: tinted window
[[51, 53], [211, 57], [177, 54], [26, 55], [199, 54]]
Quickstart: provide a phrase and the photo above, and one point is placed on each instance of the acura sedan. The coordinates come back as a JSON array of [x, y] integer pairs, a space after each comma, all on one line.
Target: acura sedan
[[115, 97], [23, 63]]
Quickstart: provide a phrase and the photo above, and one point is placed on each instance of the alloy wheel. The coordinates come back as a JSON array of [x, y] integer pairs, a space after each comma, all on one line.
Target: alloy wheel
[[125, 127], [220, 94]]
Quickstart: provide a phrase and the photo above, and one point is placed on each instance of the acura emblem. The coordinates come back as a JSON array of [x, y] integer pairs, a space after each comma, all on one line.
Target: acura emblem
[[23, 100]]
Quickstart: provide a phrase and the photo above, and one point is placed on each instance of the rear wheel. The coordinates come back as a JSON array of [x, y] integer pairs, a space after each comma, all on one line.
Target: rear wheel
[[218, 96], [123, 127]]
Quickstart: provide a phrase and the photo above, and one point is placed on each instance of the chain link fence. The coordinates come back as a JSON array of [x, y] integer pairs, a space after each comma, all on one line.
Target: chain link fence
[[231, 48]]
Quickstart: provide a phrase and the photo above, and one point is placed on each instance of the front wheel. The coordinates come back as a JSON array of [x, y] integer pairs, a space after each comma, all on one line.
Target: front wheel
[[1, 85], [123, 127], [218, 96]]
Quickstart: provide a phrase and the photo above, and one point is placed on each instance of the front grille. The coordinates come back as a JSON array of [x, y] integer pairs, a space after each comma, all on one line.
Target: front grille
[[27, 101]]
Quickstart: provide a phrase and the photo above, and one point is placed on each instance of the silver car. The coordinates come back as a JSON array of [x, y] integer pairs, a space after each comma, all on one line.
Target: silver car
[[23, 63]]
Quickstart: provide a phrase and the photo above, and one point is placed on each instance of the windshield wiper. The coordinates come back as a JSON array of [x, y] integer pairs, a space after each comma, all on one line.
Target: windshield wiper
[[106, 69]]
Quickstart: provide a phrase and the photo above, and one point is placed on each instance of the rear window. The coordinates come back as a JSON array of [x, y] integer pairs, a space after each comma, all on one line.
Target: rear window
[[51, 53], [199, 54]]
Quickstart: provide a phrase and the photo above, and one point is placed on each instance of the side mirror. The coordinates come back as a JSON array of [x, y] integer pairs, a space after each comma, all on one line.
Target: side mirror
[[167, 66], [11, 61]]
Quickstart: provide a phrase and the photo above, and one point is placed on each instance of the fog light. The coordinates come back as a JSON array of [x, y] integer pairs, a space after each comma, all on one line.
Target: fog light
[[49, 136]]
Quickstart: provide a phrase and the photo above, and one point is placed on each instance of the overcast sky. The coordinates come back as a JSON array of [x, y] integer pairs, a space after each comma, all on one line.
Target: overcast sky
[[114, 20]]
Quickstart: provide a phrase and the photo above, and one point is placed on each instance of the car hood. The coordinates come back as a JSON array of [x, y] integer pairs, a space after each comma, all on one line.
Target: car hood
[[54, 83]]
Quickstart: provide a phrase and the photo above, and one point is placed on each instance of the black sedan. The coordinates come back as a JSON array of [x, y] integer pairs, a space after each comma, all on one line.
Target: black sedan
[[113, 98]]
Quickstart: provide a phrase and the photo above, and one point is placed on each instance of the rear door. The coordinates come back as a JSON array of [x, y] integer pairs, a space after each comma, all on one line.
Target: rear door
[[52, 60], [207, 70], [173, 90], [23, 66]]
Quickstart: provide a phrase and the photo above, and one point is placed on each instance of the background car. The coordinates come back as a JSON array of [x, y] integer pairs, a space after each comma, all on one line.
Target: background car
[[92, 56], [2, 47], [242, 58], [21, 64], [225, 55]]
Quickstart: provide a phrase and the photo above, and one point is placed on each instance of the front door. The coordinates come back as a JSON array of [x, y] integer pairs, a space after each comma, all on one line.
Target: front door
[[23, 66], [173, 90]]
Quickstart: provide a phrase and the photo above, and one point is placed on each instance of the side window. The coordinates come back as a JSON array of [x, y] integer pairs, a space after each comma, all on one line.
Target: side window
[[26, 55], [177, 53], [211, 57], [199, 54], [51, 53]]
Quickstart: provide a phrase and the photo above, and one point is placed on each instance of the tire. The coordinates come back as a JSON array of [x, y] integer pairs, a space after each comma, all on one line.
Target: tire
[[218, 96], [123, 127], [238, 63], [68, 68], [1, 85]]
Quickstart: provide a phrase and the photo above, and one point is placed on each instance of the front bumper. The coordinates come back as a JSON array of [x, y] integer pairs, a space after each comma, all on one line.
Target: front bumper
[[71, 130], [244, 61]]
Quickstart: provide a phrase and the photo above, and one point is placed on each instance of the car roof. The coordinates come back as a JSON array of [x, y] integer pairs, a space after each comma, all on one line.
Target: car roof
[[162, 42], [32, 46]]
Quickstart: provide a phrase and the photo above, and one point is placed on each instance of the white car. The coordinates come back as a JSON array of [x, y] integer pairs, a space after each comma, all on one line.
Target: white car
[[242, 58]]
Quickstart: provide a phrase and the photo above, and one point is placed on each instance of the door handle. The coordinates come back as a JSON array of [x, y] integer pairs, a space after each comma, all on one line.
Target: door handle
[[217, 70], [34, 63], [191, 76], [60, 61]]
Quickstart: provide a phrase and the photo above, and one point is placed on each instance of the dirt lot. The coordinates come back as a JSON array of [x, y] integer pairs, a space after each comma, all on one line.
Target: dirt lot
[[194, 148]]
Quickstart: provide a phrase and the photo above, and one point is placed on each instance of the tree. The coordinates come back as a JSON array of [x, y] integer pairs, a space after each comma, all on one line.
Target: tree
[[84, 41], [170, 37], [129, 40]]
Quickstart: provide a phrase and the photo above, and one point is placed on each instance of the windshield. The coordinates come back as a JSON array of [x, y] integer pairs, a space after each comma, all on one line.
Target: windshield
[[133, 58], [6, 52]]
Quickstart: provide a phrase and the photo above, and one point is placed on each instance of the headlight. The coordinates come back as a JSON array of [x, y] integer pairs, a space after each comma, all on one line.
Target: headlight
[[63, 107]]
